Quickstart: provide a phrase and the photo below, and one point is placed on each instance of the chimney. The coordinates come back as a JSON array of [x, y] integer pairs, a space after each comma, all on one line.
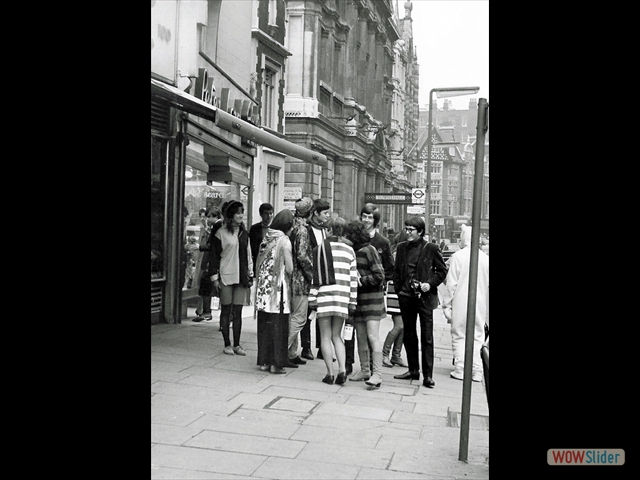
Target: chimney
[[445, 105], [473, 104]]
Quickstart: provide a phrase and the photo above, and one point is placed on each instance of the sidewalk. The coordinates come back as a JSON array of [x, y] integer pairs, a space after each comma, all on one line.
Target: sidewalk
[[216, 416]]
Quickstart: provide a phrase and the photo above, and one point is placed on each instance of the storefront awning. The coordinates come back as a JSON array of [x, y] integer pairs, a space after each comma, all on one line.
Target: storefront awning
[[233, 124]]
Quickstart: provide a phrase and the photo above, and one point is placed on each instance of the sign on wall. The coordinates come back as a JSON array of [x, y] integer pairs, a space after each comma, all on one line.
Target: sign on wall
[[164, 25]]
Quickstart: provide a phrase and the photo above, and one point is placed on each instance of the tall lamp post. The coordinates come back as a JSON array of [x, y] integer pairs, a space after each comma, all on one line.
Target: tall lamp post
[[440, 93]]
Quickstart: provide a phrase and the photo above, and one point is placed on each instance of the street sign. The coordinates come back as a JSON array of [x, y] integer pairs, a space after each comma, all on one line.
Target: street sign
[[415, 210], [438, 220], [418, 195], [388, 198]]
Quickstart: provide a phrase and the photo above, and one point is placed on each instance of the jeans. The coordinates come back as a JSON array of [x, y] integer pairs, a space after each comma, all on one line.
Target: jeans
[[412, 308]]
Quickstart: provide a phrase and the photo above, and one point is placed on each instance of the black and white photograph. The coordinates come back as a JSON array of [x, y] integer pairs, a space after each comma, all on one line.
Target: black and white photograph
[[320, 240]]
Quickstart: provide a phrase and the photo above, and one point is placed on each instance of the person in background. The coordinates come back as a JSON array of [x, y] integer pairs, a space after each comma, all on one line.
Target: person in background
[[418, 271], [273, 293], [212, 221], [231, 271], [333, 296], [370, 302], [317, 233], [191, 248], [455, 305], [301, 278], [258, 230]]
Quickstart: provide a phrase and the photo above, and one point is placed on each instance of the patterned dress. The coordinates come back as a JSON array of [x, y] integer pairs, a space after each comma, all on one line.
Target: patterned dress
[[370, 293], [333, 300]]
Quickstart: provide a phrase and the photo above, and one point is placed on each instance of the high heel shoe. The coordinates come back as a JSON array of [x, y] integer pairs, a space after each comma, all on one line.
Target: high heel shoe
[[328, 379], [341, 378]]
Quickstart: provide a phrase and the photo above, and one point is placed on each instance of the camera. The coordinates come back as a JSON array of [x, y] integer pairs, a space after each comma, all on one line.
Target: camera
[[415, 286]]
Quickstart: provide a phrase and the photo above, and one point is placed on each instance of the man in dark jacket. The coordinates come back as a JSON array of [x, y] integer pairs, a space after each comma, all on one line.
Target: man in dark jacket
[[418, 271], [259, 230]]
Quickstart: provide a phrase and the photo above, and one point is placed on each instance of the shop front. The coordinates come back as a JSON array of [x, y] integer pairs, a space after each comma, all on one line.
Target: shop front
[[201, 156]]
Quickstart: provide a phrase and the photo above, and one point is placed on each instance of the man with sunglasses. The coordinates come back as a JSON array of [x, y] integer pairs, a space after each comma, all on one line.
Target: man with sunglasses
[[418, 271]]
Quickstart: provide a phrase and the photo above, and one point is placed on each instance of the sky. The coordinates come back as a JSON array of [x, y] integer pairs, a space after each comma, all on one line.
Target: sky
[[452, 41]]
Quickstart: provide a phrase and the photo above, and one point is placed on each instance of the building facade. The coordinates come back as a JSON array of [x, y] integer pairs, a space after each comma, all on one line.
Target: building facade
[[453, 169], [208, 98], [351, 92]]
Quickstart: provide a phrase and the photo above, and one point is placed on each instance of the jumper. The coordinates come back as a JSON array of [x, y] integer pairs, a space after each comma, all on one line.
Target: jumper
[[370, 292]]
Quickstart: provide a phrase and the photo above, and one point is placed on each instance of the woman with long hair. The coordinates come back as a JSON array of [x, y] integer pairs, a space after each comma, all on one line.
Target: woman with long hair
[[333, 295], [370, 307], [231, 271], [274, 265]]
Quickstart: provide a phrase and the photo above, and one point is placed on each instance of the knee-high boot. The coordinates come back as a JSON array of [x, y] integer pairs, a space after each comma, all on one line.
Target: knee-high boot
[[386, 349], [376, 378], [363, 353], [237, 324], [225, 312], [396, 355]]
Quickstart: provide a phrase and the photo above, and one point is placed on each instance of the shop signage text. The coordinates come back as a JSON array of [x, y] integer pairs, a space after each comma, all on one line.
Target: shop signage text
[[204, 90]]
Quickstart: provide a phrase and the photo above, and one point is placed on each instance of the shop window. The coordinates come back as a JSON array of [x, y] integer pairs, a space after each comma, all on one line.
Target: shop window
[[158, 195]]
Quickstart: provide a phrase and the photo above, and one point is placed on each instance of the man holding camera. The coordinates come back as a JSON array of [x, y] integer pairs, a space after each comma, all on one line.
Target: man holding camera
[[418, 271]]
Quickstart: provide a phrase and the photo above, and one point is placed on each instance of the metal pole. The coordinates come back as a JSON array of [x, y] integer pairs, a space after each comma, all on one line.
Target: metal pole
[[481, 129], [427, 198]]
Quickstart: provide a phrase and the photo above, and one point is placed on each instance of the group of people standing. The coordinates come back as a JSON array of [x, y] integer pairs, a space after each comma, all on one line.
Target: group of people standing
[[308, 266]]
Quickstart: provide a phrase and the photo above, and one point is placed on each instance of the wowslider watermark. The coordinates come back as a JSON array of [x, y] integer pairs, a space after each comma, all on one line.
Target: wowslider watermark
[[582, 456]]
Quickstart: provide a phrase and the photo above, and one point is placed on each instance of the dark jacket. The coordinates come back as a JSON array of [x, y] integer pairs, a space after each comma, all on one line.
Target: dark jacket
[[430, 268], [255, 239], [384, 250]]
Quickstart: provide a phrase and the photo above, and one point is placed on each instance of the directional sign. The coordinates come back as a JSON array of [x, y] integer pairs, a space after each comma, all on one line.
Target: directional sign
[[415, 210], [388, 198]]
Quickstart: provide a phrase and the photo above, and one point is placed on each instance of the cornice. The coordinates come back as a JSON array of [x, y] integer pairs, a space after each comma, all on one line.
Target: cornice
[[270, 42]]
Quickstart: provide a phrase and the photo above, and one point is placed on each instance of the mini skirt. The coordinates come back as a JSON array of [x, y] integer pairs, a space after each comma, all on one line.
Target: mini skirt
[[393, 305]]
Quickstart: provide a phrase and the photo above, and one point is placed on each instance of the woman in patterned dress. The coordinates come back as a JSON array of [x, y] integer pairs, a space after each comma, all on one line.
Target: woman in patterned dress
[[274, 265], [333, 296]]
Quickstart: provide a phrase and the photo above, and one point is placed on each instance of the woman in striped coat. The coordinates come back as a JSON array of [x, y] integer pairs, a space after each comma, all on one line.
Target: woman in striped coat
[[370, 309], [333, 296]]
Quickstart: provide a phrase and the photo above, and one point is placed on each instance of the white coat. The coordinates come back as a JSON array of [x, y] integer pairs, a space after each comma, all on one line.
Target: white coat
[[457, 284]]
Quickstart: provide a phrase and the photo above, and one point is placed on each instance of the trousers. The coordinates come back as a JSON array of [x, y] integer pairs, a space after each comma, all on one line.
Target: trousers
[[297, 320], [413, 308]]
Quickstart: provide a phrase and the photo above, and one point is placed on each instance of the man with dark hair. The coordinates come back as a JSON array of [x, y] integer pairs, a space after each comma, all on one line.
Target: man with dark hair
[[418, 271], [259, 230], [317, 233], [301, 277]]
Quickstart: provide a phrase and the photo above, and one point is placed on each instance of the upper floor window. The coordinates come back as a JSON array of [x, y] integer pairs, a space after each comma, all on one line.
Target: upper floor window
[[270, 89]]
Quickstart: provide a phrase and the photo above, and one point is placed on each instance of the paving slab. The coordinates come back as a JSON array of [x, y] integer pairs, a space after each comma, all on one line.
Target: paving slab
[[346, 454], [287, 469], [244, 443], [284, 430], [200, 459]]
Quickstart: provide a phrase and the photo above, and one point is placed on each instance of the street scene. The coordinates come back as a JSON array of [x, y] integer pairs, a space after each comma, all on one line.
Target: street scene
[[319, 239], [215, 416]]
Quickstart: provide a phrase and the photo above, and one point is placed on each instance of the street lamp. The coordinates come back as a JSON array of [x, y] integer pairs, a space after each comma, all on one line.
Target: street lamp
[[440, 93]]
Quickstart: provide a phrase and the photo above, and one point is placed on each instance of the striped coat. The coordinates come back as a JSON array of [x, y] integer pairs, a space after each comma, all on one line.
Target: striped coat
[[334, 300], [370, 292]]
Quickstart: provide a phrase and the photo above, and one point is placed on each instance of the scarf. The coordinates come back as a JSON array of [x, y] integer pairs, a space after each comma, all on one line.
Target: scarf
[[315, 224], [323, 272]]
